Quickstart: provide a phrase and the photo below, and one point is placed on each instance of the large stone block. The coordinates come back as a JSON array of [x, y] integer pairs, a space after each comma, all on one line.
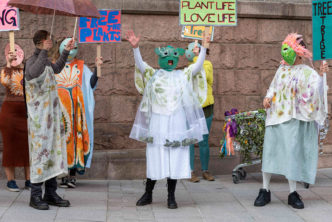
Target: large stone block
[[116, 108], [276, 31], [248, 82], [216, 133], [118, 82], [254, 102], [267, 56], [124, 108], [246, 31], [223, 55], [224, 81], [115, 136], [266, 79], [153, 28]]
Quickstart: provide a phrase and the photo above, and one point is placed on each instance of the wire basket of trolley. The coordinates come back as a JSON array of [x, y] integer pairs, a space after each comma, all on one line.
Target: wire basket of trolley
[[244, 132]]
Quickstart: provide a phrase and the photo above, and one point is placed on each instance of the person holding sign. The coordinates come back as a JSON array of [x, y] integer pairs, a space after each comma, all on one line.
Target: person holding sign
[[47, 144], [76, 84], [294, 103], [204, 150], [13, 122], [169, 118]]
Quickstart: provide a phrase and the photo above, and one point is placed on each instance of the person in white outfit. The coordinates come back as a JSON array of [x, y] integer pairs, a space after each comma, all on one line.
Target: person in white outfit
[[169, 118]]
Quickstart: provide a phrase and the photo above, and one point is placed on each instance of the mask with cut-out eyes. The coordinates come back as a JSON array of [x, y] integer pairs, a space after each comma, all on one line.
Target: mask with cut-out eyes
[[169, 57], [19, 55], [288, 54], [189, 52], [72, 53]]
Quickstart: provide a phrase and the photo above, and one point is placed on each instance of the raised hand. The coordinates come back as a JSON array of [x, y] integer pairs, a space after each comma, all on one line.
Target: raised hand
[[47, 44], [324, 68], [206, 38], [130, 37], [99, 61], [70, 45]]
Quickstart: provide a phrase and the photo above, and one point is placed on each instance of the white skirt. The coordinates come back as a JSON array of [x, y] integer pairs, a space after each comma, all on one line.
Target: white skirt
[[162, 161]]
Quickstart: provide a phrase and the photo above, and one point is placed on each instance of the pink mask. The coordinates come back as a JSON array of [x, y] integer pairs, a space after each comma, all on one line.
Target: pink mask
[[19, 55]]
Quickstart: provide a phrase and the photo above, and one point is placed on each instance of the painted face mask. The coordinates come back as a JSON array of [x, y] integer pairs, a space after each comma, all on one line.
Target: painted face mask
[[19, 55], [169, 57], [288, 54], [189, 52], [72, 53]]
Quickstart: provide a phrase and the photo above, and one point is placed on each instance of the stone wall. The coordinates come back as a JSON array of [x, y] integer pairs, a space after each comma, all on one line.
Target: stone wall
[[245, 58]]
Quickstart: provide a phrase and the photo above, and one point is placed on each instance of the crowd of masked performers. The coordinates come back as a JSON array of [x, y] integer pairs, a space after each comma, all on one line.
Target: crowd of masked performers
[[46, 119]]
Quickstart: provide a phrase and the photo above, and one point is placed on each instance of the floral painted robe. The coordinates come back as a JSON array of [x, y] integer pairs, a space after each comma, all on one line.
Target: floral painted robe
[[296, 92], [73, 114], [47, 142]]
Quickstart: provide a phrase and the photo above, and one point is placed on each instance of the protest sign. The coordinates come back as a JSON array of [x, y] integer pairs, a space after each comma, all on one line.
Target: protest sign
[[195, 32], [322, 36], [106, 29], [9, 17], [322, 29], [208, 12]]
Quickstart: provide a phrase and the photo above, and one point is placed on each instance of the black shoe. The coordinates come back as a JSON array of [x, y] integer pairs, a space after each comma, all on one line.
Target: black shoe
[[145, 199], [171, 185], [71, 183], [295, 200], [264, 197], [64, 182], [37, 203], [147, 196], [56, 200], [27, 184]]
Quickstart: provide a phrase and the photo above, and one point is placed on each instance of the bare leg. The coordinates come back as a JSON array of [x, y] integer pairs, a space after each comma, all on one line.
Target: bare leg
[[266, 181], [27, 173], [10, 173]]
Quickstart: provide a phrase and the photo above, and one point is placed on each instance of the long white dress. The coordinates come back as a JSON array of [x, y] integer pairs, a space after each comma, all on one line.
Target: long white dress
[[170, 117]]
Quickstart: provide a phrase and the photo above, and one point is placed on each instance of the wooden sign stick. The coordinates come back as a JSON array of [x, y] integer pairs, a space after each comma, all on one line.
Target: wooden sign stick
[[206, 33], [12, 41], [74, 35], [98, 55], [325, 89]]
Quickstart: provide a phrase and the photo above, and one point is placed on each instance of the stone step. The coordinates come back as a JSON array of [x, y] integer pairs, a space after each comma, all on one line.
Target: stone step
[[325, 160], [327, 149], [131, 164]]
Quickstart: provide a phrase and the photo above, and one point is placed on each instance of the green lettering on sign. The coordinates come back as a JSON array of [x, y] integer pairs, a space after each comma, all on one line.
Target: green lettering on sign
[[208, 12]]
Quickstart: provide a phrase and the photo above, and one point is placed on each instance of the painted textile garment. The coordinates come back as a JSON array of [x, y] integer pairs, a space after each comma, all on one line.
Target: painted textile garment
[[12, 79], [70, 91], [166, 94], [47, 144], [296, 92]]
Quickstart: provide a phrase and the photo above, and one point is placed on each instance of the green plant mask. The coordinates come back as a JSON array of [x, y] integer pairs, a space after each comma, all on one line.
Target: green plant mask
[[169, 57], [288, 54]]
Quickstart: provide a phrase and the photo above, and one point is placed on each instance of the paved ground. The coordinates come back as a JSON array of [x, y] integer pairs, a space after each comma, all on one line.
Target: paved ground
[[205, 201]]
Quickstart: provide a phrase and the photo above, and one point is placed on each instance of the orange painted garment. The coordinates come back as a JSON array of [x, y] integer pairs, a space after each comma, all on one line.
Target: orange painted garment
[[69, 83]]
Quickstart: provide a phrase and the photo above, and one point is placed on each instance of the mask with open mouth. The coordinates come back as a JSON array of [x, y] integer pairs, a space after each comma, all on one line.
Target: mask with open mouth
[[169, 57], [72, 53]]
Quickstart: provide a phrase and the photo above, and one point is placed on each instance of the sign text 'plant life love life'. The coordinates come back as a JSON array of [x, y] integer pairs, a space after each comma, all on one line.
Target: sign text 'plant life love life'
[[106, 29], [322, 29], [208, 12], [9, 17]]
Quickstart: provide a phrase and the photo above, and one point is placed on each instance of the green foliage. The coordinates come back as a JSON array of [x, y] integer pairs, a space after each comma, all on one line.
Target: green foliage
[[250, 136]]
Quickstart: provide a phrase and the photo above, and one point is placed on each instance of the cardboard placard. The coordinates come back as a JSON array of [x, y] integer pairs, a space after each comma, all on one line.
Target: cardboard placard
[[195, 32], [322, 29], [208, 12], [9, 17], [106, 29]]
